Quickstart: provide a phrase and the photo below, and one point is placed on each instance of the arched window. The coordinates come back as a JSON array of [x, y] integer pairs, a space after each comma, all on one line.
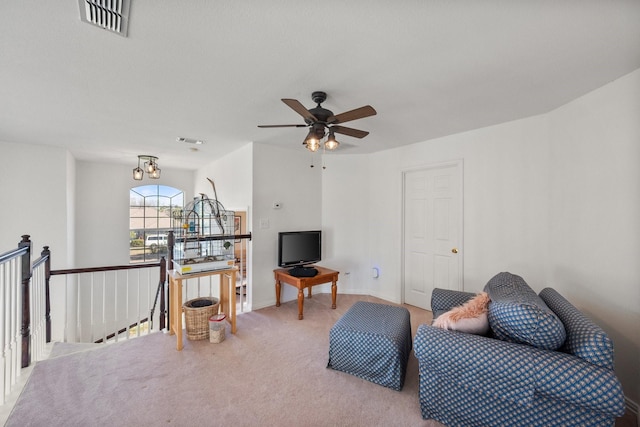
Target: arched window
[[151, 212]]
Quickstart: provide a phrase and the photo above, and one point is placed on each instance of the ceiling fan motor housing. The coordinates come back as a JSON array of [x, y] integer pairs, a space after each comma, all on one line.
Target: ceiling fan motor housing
[[318, 130]]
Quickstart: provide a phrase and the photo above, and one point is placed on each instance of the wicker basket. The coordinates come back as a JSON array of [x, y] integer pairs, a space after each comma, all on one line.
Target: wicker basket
[[196, 315]]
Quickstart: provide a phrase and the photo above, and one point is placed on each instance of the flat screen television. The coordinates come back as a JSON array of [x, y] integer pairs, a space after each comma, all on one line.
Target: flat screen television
[[299, 248]]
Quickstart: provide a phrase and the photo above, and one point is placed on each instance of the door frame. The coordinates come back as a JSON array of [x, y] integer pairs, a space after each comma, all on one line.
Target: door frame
[[439, 165]]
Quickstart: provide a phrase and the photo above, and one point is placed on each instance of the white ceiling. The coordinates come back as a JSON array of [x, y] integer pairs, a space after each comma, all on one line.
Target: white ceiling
[[214, 70]]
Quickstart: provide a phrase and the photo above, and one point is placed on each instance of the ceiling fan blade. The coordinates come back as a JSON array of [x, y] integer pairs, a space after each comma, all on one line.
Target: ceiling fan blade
[[282, 126], [296, 106], [356, 133], [358, 113]]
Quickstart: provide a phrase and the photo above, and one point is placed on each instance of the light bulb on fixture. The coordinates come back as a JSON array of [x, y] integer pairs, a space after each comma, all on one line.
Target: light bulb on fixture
[[150, 166], [316, 133], [331, 143], [137, 172], [155, 174], [312, 144]]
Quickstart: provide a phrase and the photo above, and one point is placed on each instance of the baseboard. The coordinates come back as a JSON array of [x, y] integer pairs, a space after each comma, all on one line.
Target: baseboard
[[633, 408], [382, 296]]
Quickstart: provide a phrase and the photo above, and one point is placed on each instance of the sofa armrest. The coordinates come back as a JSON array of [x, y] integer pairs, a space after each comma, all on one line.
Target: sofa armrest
[[489, 366], [571, 379], [515, 372], [443, 300]]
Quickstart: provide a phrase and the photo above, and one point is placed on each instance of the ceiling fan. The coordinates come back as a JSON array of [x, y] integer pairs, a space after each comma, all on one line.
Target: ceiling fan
[[321, 122]]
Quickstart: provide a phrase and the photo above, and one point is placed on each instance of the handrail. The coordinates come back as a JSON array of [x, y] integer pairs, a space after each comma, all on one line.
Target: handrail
[[43, 258], [14, 253], [121, 331], [105, 268], [212, 237]]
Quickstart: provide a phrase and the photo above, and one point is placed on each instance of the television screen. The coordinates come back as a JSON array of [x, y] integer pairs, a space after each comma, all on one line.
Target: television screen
[[298, 248]]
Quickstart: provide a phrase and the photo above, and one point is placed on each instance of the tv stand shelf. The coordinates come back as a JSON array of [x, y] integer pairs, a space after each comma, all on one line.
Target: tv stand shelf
[[324, 275]]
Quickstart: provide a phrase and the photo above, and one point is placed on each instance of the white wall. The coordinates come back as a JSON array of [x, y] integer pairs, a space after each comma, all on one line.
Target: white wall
[[595, 205], [33, 187], [102, 209], [38, 200], [345, 223], [284, 176], [232, 176], [505, 204]]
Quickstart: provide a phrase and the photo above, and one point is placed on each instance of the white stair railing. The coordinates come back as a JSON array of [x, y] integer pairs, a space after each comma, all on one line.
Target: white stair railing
[[38, 306], [11, 278], [110, 303]]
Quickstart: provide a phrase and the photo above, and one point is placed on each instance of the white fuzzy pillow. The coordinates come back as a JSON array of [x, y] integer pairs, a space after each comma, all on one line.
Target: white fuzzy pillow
[[471, 317]]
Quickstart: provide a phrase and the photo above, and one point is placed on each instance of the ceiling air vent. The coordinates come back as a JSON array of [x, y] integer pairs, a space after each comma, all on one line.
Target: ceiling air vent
[[111, 15]]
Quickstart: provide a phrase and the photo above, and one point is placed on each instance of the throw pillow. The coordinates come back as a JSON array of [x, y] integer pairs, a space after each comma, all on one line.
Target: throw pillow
[[470, 317], [518, 314]]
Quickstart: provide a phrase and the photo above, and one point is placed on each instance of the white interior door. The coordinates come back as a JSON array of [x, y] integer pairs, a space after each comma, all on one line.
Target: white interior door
[[432, 252]]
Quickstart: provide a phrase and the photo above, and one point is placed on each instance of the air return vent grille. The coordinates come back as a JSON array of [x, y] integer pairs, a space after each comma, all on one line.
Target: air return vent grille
[[111, 15]]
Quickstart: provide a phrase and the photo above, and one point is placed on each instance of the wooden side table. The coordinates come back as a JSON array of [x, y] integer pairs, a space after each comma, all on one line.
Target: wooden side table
[[227, 299], [324, 275]]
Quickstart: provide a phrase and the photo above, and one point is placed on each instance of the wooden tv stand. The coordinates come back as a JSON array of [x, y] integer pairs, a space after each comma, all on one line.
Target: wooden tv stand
[[324, 275]]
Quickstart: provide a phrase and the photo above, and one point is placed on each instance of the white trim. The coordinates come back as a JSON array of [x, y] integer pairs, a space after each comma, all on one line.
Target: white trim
[[632, 407]]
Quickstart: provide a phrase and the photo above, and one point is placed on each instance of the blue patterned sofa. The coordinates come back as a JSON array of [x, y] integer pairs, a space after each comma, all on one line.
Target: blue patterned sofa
[[544, 363]]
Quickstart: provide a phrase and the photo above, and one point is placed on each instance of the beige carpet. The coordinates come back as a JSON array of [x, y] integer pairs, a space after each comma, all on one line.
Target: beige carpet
[[271, 373]]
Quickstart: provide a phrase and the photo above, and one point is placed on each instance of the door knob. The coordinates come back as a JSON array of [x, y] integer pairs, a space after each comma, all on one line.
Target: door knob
[[454, 250]]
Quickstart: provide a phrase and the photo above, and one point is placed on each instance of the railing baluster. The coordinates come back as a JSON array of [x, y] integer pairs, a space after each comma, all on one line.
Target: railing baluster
[[115, 304], [104, 306], [79, 292], [5, 284], [91, 312], [138, 308]]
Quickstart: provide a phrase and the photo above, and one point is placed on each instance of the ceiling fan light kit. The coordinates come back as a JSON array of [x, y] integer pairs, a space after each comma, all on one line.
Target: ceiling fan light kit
[[321, 122]]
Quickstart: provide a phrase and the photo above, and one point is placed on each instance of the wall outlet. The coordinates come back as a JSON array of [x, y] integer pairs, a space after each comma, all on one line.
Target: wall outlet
[[264, 222]]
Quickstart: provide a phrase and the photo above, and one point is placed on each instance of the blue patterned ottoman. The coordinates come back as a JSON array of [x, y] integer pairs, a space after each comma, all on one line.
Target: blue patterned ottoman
[[373, 342]]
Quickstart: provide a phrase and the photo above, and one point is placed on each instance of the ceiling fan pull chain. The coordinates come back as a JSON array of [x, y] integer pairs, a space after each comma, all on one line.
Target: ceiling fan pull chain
[[323, 150]]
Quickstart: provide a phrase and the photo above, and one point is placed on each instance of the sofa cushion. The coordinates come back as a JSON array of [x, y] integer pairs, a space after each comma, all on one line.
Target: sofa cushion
[[518, 314], [585, 339]]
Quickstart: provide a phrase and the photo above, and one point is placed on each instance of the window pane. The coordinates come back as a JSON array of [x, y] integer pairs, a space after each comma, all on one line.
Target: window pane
[[150, 219]]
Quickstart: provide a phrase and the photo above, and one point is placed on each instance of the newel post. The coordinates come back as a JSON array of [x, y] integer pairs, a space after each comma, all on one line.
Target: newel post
[[25, 275], [46, 254]]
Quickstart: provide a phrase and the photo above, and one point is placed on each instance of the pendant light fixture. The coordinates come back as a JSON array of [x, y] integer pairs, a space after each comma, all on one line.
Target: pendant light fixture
[[150, 167]]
